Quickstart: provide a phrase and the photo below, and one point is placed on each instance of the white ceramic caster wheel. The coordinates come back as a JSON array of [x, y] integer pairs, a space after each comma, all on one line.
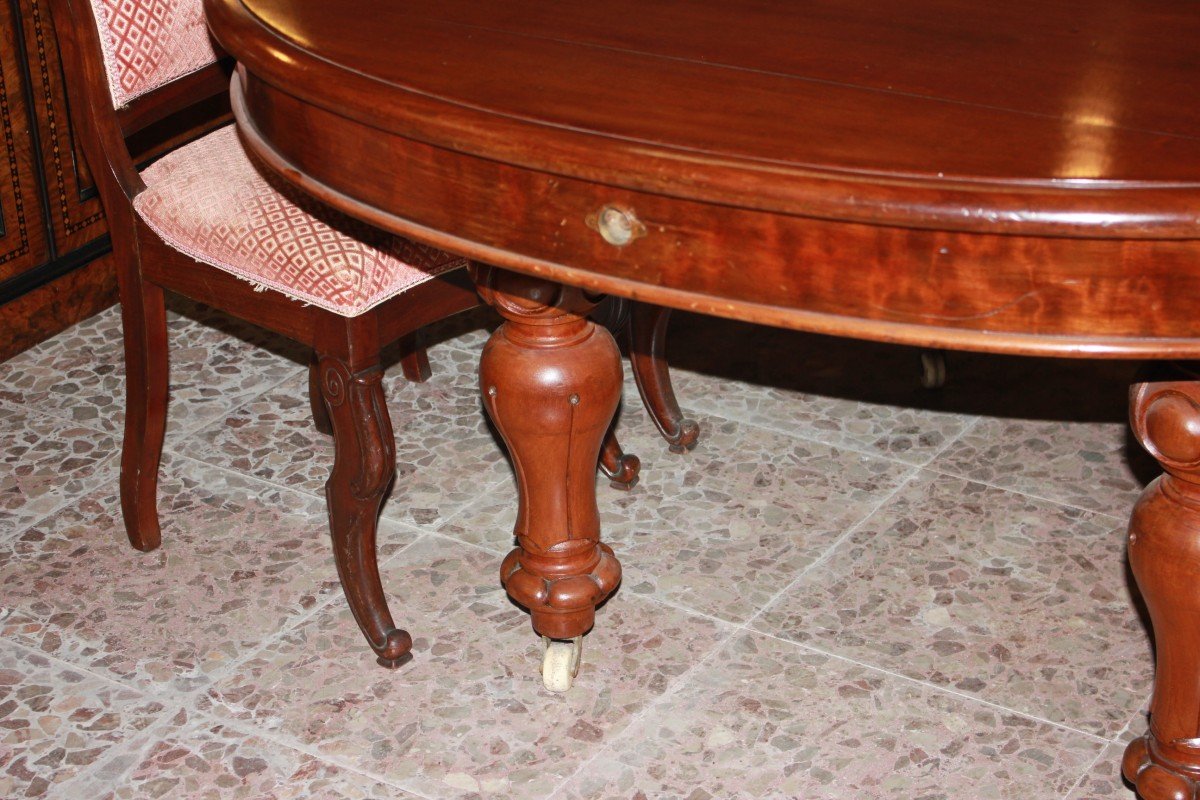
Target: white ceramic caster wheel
[[933, 369], [560, 664]]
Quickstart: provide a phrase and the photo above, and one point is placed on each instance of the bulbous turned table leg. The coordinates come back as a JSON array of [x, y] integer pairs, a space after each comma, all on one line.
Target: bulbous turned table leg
[[551, 381], [1164, 553]]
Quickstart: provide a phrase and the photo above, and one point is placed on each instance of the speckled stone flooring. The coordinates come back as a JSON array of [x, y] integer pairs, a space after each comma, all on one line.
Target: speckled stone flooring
[[853, 588]]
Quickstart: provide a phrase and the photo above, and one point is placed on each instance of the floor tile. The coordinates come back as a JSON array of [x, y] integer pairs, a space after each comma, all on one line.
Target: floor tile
[[1018, 601], [198, 758], [845, 393], [765, 719], [723, 530], [45, 462], [468, 716], [239, 561], [1104, 778], [445, 453], [1090, 465], [56, 722], [80, 374]]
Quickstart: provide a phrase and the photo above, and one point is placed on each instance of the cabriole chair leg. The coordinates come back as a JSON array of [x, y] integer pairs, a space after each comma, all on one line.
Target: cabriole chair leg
[[144, 317], [363, 470]]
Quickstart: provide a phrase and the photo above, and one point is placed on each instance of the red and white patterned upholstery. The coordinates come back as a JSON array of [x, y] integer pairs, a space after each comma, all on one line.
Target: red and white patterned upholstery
[[208, 200], [148, 43]]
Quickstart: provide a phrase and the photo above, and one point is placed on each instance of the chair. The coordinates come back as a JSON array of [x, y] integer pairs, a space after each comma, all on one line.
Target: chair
[[204, 222]]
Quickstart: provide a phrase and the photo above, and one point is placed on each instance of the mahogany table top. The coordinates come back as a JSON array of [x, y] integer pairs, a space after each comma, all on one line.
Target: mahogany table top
[[1019, 176]]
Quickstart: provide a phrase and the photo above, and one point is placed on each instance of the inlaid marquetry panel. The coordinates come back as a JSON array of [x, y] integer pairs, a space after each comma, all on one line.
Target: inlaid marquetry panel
[[76, 216], [23, 242], [51, 224]]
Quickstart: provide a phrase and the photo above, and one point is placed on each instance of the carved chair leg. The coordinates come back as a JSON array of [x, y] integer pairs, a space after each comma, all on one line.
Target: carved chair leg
[[144, 318], [319, 412], [1164, 553], [648, 357], [619, 467], [363, 470], [551, 381], [414, 361]]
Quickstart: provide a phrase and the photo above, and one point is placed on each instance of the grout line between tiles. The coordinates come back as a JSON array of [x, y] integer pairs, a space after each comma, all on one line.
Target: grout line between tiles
[[113, 479], [290, 626], [72, 665], [182, 433], [243, 475], [745, 628], [106, 464], [315, 495], [733, 629], [691, 612], [829, 551], [935, 687], [1030, 495], [913, 473], [1137, 715], [298, 746], [715, 411], [928, 464], [138, 746], [1083, 775], [953, 440], [633, 722]]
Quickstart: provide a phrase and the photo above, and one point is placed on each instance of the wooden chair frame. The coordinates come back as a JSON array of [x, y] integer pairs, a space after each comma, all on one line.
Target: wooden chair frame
[[346, 371]]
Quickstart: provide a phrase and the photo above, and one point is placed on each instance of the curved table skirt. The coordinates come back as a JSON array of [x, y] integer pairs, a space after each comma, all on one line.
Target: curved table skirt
[[1054, 296]]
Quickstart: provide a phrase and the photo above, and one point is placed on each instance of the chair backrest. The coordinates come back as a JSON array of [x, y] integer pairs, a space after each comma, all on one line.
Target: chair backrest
[[130, 64], [149, 43]]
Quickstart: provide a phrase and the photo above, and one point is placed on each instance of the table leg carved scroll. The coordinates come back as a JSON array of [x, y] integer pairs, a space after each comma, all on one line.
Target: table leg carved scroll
[[363, 469], [648, 356], [551, 382], [621, 468], [1164, 553]]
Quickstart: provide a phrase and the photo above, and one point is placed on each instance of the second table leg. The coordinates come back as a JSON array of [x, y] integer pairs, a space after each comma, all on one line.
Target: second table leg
[[1164, 554], [551, 382]]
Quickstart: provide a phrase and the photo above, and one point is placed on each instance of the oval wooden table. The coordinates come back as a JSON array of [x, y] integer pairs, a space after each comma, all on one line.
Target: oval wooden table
[[1019, 177]]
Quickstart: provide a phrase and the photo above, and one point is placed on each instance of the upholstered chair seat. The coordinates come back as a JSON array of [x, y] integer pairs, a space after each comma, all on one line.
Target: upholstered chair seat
[[209, 200]]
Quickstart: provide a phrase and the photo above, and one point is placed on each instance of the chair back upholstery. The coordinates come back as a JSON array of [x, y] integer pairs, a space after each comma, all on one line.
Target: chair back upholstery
[[130, 65], [149, 43]]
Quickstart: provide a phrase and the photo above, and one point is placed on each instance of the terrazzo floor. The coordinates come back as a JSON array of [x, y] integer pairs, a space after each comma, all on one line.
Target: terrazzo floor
[[853, 588]]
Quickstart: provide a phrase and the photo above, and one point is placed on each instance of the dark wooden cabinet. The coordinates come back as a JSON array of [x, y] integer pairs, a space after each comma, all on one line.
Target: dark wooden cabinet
[[52, 231]]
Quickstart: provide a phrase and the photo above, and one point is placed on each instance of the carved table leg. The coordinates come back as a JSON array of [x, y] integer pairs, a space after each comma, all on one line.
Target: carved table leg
[[363, 469], [619, 467], [551, 381], [648, 357], [1164, 553]]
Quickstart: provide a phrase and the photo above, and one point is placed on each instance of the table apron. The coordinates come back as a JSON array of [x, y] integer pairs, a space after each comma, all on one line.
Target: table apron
[[1000, 293]]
